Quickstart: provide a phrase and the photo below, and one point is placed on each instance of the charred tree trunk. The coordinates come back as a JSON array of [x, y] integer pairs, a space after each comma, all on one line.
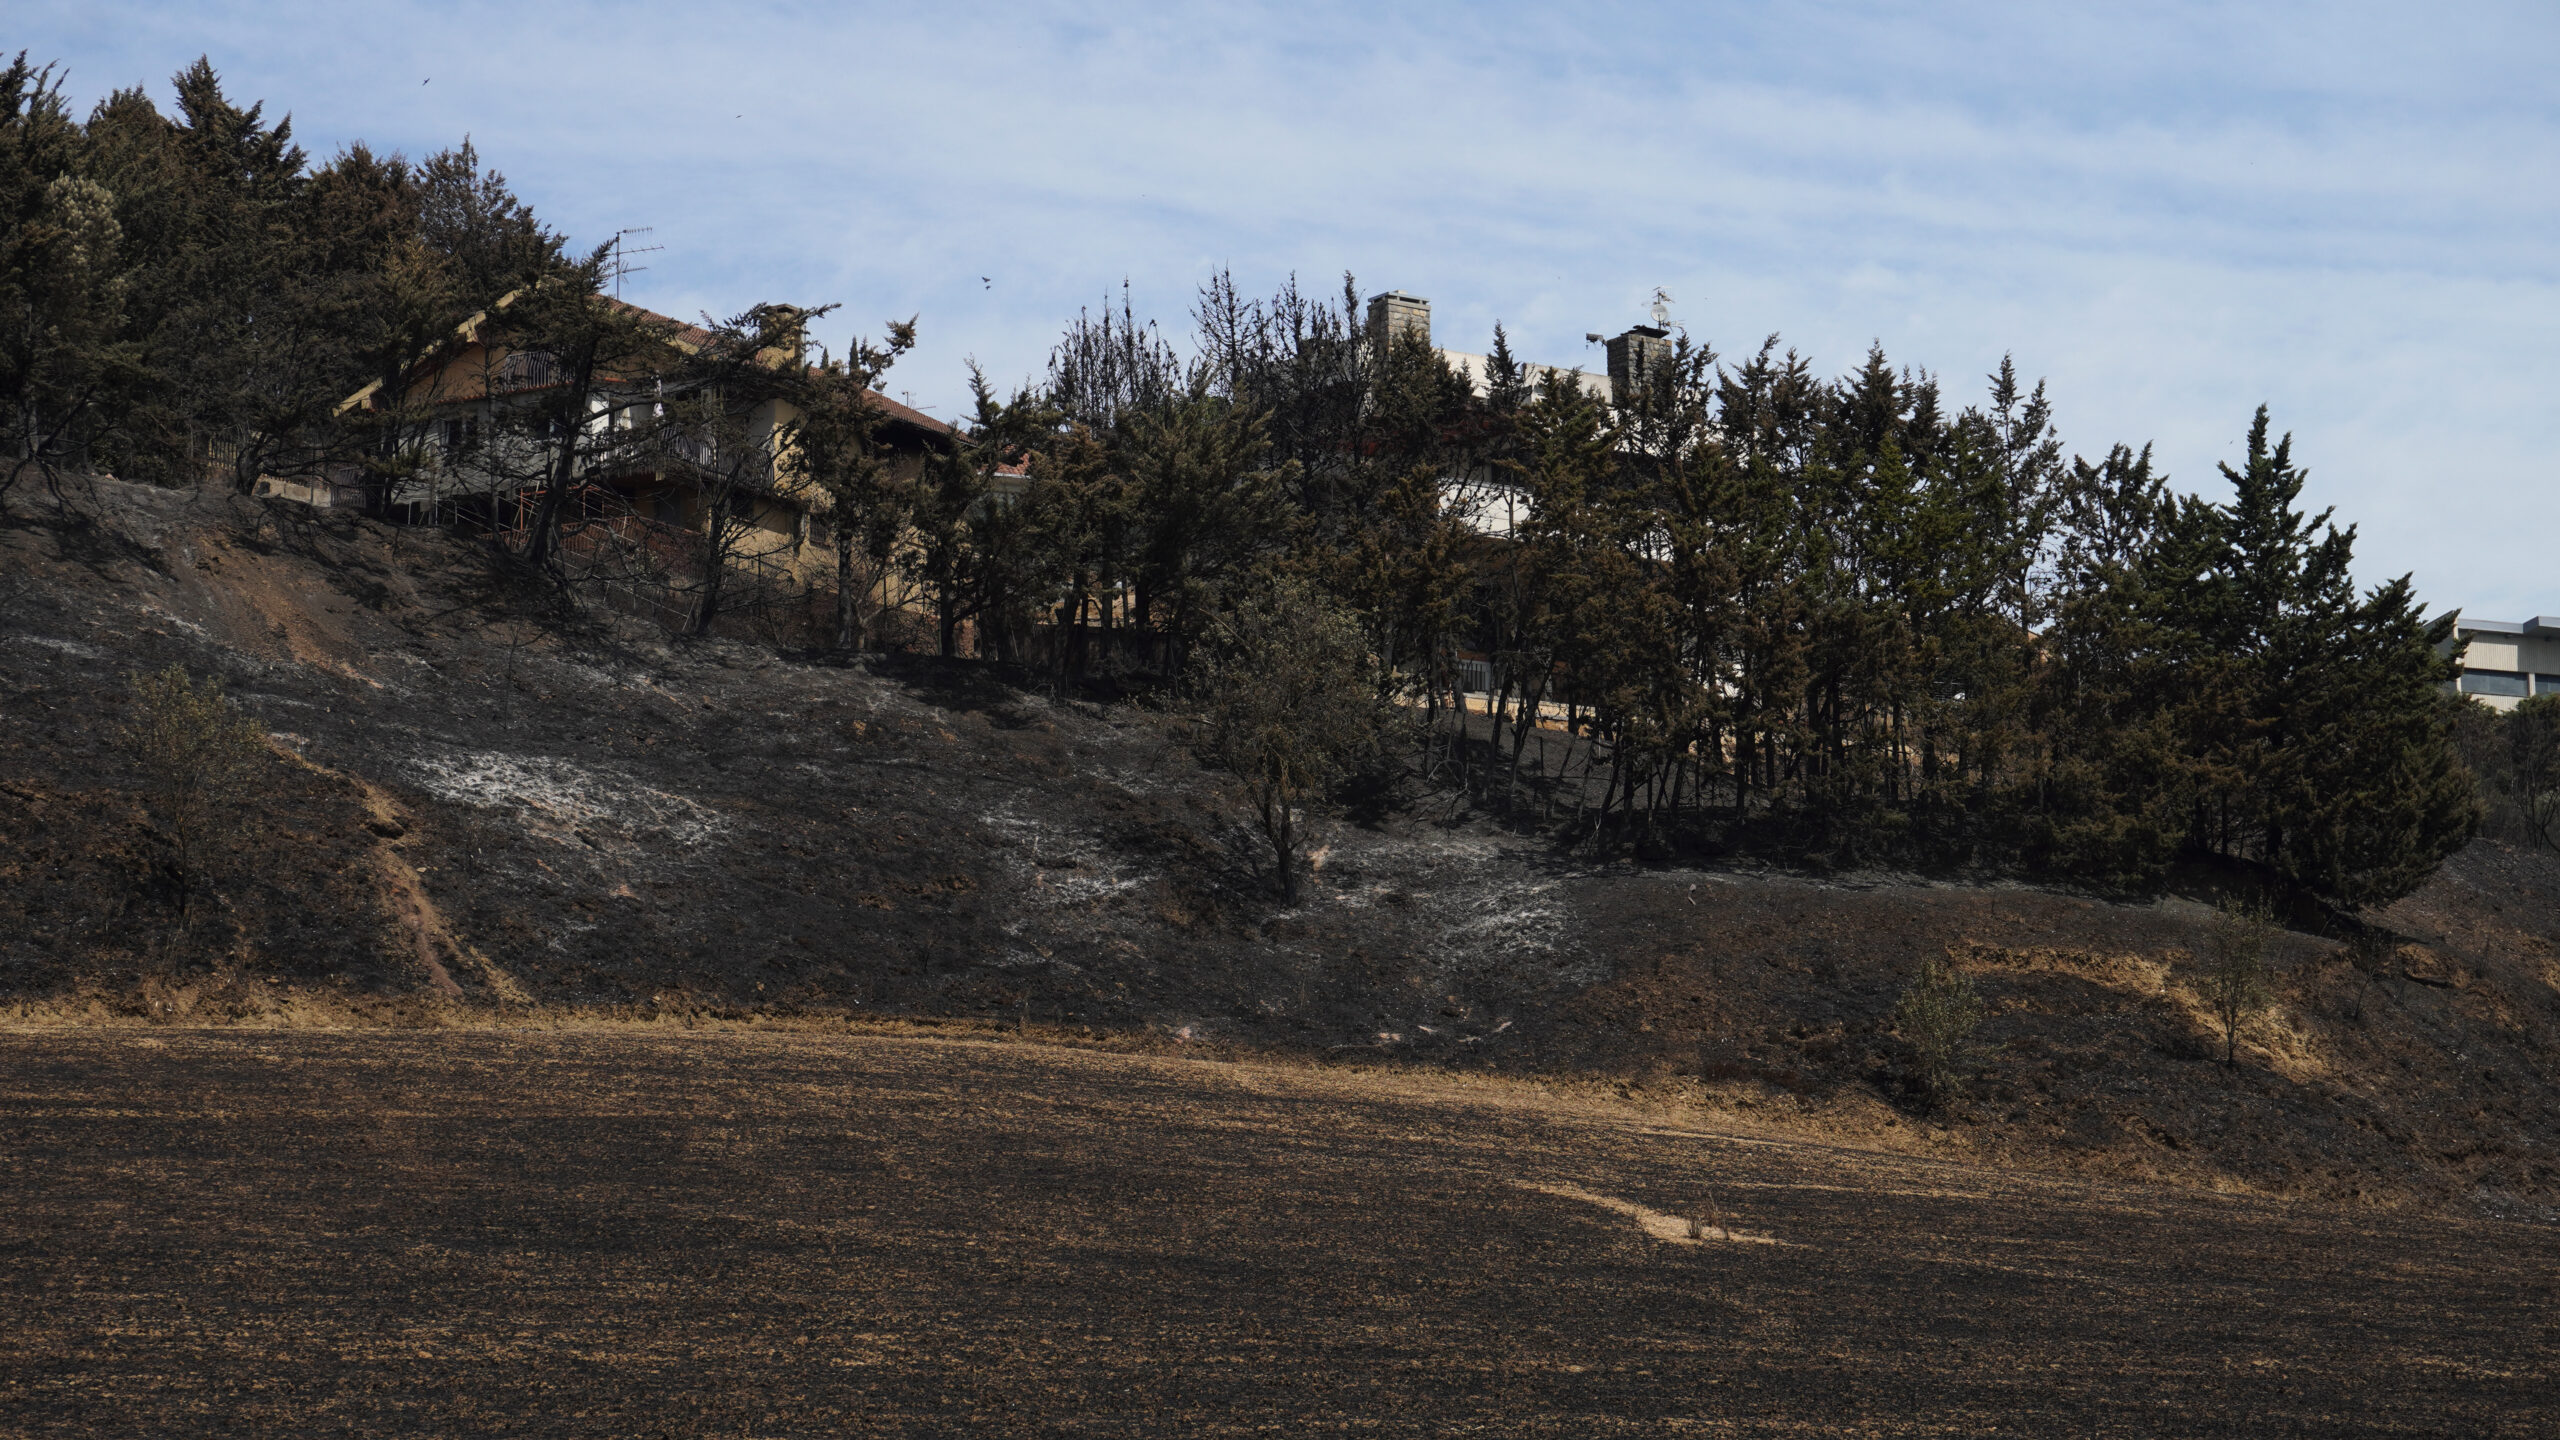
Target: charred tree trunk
[[715, 569], [848, 604], [541, 546]]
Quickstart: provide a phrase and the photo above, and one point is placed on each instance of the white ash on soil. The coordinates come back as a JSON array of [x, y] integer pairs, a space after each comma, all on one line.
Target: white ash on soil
[[562, 800]]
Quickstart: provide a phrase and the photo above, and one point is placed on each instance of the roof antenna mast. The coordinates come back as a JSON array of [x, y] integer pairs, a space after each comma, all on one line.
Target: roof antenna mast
[[621, 266]]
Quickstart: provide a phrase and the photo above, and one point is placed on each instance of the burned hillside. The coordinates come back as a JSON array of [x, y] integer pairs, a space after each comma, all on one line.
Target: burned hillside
[[483, 805]]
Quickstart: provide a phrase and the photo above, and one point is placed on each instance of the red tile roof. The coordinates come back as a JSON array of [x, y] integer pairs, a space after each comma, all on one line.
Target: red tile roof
[[696, 335], [690, 335]]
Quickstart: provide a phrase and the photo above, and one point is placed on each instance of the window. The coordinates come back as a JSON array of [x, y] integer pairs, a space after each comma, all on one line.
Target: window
[[2546, 684], [2493, 682]]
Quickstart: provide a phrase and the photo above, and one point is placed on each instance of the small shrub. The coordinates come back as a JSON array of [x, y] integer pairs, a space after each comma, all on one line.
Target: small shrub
[[1938, 1014], [2234, 982], [1288, 709], [195, 751], [2370, 955]]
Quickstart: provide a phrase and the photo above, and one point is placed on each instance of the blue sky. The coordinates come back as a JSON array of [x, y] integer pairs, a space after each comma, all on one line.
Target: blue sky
[[2170, 212]]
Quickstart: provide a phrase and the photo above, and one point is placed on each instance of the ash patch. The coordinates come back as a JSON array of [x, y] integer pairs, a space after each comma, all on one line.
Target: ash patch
[[1059, 868], [1511, 932], [566, 802], [1485, 922], [65, 647]]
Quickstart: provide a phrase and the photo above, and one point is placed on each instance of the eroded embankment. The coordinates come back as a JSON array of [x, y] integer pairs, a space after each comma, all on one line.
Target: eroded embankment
[[483, 807]]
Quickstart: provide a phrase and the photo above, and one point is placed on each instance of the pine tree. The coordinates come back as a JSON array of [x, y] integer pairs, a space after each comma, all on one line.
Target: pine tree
[[1076, 513], [64, 362], [2230, 695], [2532, 771], [1289, 710], [1000, 567], [244, 347], [489, 240], [569, 358], [2111, 800], [1211, 510], [729, 425], [839, 448]]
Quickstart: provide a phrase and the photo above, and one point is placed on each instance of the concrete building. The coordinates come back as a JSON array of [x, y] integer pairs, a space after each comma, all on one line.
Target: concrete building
[[2503, 661], [1394, 312], [1489, 506]]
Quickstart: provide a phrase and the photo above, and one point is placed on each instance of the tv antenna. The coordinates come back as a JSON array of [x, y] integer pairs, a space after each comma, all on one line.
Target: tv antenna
[[1661, 307], [621, 266]]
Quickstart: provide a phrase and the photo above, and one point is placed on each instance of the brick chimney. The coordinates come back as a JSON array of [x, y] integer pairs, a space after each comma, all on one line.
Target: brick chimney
[[1635, 357]]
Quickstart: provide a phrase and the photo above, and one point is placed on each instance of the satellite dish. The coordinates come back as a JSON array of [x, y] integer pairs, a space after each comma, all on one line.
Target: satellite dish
[[1661, 307]]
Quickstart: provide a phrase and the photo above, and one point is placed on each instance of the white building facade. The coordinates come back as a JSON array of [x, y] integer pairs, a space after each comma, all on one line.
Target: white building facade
[[2504, 661]]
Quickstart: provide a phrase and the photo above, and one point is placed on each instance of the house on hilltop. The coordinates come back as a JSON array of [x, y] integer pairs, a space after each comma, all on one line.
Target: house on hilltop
[[464, 466], [471, 437]]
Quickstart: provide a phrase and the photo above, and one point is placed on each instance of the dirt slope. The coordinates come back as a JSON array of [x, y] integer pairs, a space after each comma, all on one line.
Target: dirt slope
[[481, 805]]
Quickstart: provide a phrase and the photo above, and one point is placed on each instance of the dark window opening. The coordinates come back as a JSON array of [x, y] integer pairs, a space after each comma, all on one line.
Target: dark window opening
[[2494, 682]]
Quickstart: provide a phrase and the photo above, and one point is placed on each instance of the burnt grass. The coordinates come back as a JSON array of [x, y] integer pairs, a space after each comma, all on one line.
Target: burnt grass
[[631, 1231], [487, 805]]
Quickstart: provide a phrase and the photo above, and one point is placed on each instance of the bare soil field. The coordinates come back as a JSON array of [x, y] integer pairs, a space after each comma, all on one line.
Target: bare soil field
[[638, 1231]]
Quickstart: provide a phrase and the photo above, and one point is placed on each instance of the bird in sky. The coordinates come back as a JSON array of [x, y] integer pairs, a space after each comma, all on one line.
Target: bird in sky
[[990, 284]]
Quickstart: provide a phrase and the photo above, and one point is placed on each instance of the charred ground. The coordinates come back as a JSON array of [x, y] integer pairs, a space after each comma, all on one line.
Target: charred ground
[[609, 1231], [482, 802]]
